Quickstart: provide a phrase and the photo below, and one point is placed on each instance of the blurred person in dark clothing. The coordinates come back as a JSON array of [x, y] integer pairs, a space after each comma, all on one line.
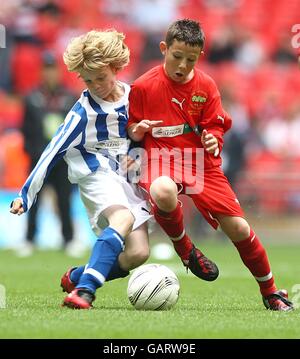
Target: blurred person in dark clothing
[[223, 46], [44, 110], [284, 53], [237, 139]]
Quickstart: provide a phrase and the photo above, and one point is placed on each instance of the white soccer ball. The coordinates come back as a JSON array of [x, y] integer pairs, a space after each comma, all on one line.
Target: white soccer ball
[[153, 287]]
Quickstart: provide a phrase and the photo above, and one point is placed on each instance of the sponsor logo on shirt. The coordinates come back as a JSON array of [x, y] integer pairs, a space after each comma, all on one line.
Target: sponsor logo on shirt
[[167, 131], [113, 144], [178, 102], [197, 101], [201, 99]]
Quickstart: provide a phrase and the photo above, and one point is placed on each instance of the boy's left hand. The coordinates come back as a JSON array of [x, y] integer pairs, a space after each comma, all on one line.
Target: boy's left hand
[[16, 207], [210, 143]]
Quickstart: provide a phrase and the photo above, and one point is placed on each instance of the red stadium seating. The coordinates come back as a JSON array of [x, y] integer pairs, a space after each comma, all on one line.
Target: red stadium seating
[[15, 162]]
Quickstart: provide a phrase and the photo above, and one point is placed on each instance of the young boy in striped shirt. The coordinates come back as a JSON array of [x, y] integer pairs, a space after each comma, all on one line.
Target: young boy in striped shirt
[[93, 140]]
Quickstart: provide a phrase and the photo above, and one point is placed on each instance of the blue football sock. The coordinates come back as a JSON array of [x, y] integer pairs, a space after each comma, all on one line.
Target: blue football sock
[[76, 274], [105, 252], [115, 273]]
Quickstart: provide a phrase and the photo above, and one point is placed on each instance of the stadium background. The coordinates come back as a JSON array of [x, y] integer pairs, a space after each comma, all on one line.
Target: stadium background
[[248, 52]]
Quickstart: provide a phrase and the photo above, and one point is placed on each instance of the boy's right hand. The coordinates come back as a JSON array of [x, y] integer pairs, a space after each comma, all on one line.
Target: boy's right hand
[[145, 126], [16, 207], [137, 131]]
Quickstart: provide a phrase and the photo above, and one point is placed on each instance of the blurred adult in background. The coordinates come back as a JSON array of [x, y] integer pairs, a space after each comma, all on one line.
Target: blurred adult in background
[[281, 133], [142, 14], [7, 14], [284, 53], [250, 53], [233, 154], [44, 110], [223, 45]]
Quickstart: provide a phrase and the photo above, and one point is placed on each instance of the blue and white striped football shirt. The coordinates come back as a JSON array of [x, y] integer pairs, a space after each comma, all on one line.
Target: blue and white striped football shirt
[[91, 138]]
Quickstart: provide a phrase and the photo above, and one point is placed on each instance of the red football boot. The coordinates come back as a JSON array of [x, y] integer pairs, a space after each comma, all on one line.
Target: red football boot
[[79, 299], [278, 301], [201, 266], [66, 283]]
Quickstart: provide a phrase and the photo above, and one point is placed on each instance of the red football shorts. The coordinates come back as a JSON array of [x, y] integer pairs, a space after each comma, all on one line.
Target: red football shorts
[[216, 196]]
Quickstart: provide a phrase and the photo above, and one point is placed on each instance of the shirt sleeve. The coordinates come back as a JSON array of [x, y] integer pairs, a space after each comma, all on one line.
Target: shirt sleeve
[[214, 118], [56, 149], [136, 111]]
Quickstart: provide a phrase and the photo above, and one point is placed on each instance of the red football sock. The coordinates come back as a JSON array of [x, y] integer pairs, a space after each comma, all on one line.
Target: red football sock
[[256, 260], [172, 224]]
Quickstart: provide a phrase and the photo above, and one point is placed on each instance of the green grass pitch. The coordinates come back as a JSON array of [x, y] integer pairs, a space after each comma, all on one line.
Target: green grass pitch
[[230, 307]]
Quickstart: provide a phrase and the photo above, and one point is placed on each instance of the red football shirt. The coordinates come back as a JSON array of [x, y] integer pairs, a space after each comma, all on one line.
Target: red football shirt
[[181, 107], [154, 96]]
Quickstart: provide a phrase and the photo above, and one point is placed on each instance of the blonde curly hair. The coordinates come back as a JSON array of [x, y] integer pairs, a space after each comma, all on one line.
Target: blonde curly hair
[[95, 50]]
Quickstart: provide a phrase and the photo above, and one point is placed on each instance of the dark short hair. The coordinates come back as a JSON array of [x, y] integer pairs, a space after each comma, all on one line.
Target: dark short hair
[[186, 30]]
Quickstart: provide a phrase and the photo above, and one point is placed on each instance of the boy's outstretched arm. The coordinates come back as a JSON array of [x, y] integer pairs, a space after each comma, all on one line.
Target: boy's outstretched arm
[[137, 131], [63, 139]]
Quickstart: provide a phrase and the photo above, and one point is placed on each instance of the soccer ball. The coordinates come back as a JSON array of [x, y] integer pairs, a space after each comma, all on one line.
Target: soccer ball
[[153, 287]]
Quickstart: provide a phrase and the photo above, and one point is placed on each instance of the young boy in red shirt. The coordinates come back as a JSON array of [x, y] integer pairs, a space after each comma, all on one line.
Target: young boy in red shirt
[[176, 112]]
